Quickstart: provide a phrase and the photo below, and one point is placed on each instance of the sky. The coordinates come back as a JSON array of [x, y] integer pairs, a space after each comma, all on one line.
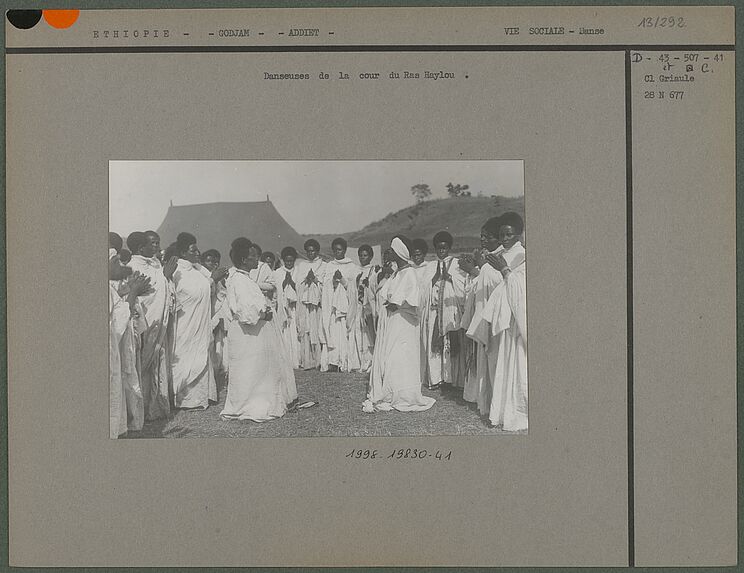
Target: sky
[[313, 196]]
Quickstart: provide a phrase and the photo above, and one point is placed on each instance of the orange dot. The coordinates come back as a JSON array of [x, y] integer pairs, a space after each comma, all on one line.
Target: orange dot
[[61, 18]]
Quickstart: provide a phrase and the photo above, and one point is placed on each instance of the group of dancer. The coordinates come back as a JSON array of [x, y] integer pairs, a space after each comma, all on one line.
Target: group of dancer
[[455, 324], [180, 323]]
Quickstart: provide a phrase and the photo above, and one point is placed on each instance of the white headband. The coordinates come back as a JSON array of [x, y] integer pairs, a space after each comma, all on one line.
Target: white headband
[[112, 253], [400, 249]]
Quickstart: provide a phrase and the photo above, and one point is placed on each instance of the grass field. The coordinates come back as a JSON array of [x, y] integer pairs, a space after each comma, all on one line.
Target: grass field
[[338, 413]]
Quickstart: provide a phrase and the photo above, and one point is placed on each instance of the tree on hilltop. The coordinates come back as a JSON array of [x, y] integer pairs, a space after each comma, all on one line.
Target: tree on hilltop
[[421, 192], [458, 190]]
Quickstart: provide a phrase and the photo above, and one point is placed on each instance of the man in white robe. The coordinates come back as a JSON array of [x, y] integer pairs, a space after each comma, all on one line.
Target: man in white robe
[[157, 306], [313, 347], [338, 305], [442, 336]]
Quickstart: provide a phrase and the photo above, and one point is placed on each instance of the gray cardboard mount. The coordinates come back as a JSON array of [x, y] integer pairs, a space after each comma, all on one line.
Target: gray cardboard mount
[[557, 497]]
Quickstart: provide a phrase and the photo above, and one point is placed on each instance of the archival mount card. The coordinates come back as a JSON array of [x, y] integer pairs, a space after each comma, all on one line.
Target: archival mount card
[[319, 222]]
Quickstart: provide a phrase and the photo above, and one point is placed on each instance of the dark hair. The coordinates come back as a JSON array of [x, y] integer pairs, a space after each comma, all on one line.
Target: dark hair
[[240, 249], [266, 255], [366, 248], [492, 226], [288, 251], [170, 252], [239, 239], [311, 243], [418, 244], [211, 253], [513, 220], [339, 241], [115, 241], [184, 241], [152, 234], [258, 248], [442, 237], [232, 246], [125, 256], [135, 241]]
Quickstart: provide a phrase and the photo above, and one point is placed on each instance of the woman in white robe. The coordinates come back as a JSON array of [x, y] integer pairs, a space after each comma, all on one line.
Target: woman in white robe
[[158, 307], [389, 266], [194, 384], [425, 270], [126, 406], [224, 314], [395, 380], [339, 306], [362, 338], [506, 311], [262, 383], [211, 262], [469, 350], [380, 292], [479, 388], [263, 275], [286, 279], [313, 347]]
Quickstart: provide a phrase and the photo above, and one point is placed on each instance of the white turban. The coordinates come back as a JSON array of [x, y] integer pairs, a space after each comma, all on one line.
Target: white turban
[[112, 253], [400, 249]]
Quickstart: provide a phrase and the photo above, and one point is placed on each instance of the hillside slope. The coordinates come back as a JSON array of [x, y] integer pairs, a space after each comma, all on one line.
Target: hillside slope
[[461, 216]]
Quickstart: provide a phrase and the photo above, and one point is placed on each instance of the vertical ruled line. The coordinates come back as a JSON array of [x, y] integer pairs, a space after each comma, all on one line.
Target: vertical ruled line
[[629, 303]]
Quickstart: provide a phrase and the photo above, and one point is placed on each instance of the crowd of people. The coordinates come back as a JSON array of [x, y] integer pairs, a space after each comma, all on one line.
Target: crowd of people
[[183, 326]]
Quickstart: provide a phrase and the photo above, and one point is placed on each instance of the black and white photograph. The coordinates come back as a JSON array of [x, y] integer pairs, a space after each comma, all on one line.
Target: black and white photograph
[[242, 302], [317, 220]]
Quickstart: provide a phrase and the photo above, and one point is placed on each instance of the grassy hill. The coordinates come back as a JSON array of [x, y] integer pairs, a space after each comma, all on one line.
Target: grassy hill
[[461, 216]]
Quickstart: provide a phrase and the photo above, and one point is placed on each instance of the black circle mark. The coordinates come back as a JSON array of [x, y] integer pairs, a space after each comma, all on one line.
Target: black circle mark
[[23, 19]]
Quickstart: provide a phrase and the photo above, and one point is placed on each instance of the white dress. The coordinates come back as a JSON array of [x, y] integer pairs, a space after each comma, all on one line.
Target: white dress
[[443, 339], [479, 386], [262, 381], [506, 311], [395, 380], [193, 376], [362, 327], [286, 315], [118, 323], [155, 355], [313, 349], [339, 306]]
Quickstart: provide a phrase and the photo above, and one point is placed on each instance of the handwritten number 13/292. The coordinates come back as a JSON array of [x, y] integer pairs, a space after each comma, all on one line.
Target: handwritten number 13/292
[[662, 22]]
